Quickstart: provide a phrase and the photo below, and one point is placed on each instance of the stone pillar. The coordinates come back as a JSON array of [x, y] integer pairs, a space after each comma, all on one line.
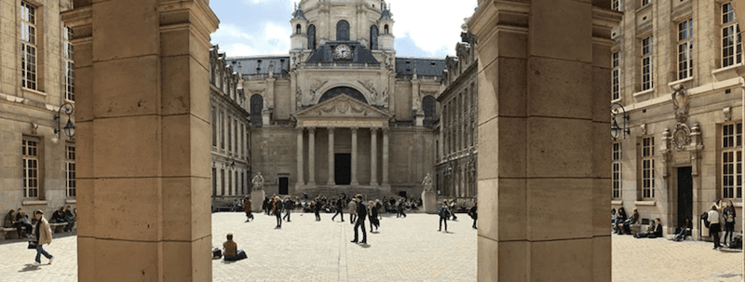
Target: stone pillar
[[354, 157], [300, 180], [542, 139], [374, 156], [311, 156], [331, 180], [144, 194], [385, 157]]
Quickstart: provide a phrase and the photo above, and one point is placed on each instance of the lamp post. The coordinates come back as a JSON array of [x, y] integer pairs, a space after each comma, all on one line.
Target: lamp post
[[616, 130], [69, 128]]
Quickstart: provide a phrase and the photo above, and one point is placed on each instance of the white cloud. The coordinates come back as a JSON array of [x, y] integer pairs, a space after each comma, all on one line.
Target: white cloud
[[433, 25], [268, 38]]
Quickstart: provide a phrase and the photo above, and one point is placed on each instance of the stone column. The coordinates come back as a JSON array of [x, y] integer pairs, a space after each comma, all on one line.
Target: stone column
[[354, 157], [331, 180], [542, 139], [374, 156], [311, 156], [143, 195], [385, 157], [300, 180]]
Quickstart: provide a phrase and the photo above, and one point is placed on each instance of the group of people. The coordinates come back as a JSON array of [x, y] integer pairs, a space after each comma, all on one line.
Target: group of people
[[65, 215], [38, 230], [621, 222], [446, 213], [719, 215]]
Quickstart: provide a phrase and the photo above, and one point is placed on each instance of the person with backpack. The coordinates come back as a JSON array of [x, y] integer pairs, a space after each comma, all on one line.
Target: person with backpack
[[473, 213], [444, 213], [339, 209], [714, 227], [729, 222]]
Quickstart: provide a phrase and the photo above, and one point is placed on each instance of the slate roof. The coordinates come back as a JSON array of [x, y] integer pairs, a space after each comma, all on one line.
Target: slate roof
[[424, 66], [298, 15], [260, 65]]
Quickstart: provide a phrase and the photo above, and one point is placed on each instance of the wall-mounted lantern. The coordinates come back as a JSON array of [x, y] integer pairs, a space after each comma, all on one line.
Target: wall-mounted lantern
[[619, 130], [69, 128]]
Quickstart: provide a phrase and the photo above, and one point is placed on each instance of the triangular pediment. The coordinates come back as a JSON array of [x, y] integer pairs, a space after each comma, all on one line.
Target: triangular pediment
[[343, 106]]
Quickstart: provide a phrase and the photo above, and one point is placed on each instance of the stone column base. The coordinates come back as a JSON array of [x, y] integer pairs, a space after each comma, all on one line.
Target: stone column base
[[257, 198], [429, 200]]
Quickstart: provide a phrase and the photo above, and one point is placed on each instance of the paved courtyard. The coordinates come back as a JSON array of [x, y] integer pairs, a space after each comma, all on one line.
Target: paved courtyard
[[406, 249]]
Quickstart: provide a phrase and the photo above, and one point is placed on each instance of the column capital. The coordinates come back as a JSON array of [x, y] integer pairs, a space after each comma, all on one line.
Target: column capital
[[374, 129]]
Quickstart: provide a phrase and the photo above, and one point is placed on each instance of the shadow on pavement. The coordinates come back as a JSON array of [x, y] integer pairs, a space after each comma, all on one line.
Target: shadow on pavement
[[30, 267]]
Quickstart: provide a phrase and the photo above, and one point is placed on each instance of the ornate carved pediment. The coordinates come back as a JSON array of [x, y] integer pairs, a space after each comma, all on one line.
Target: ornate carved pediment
[[343, 106]]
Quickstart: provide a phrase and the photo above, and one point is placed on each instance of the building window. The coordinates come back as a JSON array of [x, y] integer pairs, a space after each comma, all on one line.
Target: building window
[[312, 37], [731, 47], [257, 105], [230, 183], [222, 182], [70, 170], [647, 63], [28, 46], [645, 2], [30, 167], [214, 127], [374, 37], [221, 128], [616, 5], [342, 31], [732, 161], [685, 49], [617, 170], [68, 64], [648, 168], [616, 76], [243, 184], [230, 135], [214, 181]]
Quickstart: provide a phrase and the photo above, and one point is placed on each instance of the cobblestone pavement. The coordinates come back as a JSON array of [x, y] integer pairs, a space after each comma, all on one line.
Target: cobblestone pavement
[[406, 249]]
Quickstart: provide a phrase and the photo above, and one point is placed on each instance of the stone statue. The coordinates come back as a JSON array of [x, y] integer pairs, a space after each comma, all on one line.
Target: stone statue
[[427, 183], [258, 182], [681, 104]]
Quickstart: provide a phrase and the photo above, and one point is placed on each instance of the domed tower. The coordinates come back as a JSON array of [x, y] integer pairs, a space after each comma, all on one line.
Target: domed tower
[[300, 33], [386, 38]]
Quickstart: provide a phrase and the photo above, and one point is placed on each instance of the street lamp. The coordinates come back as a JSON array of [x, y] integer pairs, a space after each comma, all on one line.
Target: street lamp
[[69, 127], [617, 130]]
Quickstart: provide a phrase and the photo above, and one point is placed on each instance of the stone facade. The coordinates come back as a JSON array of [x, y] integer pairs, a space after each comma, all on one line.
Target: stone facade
[[341, 113], [230, 133], [457, 129], [684, 148], [37, 164]]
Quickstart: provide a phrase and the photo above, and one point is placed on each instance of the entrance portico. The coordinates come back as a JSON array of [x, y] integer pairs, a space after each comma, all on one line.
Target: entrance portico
[[347, 125]]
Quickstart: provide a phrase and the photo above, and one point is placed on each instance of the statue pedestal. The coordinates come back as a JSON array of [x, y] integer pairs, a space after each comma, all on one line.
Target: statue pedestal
[[429, 200], [257, 198]]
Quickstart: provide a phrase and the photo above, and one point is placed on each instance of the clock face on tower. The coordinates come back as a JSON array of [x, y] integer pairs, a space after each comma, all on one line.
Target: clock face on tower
[[343, 52]]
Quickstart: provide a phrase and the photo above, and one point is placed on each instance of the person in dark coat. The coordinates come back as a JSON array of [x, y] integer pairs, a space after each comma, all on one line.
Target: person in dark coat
[[444, 213], [317, 209], [288, 205], [277, 210], [401, 208], [373, 216], [265, 205], [22, 221], [247, 209], [360, 221], [339, 209], [474, 214]]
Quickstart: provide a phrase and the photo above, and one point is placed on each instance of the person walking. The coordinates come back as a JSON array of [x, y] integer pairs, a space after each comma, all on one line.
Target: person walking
[[338, 204], [277, 210], [729, 222], [288, 205], [266, 205], [444, 213], [714, 227], [361, 214], [247, 208], [352, 210], [474, 214], [43, 236], [373, 216], [402, 208], [317, 209]]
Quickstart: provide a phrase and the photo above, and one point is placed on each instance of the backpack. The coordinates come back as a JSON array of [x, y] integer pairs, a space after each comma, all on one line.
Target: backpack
[[443, 212], [705, 218], [736, 243]]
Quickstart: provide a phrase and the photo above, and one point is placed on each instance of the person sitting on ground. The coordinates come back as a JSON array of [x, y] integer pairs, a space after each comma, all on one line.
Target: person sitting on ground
[[632, 220], [620, 218], [683, 231], [231, 250], [613, 216], [657, 231], [650, 230]]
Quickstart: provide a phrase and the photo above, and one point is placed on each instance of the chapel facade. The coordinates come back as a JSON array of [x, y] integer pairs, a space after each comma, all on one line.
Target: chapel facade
[[341, 113]]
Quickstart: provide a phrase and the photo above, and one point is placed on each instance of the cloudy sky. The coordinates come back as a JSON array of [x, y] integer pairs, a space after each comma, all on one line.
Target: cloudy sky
[[423, 28]]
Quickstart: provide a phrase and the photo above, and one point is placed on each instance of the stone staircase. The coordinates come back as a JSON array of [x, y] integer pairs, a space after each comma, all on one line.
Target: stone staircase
[[367, 192]]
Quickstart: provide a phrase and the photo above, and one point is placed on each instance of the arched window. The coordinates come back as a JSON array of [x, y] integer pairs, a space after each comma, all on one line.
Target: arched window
[[257, 105], [298, 29], [386, 30], [312, 37], [351, 92], [430, 110], [342, 30], [374, 37]]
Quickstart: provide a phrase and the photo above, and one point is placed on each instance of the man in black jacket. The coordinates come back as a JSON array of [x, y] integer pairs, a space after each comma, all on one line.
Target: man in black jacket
[[339, 209], [361, 214]]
